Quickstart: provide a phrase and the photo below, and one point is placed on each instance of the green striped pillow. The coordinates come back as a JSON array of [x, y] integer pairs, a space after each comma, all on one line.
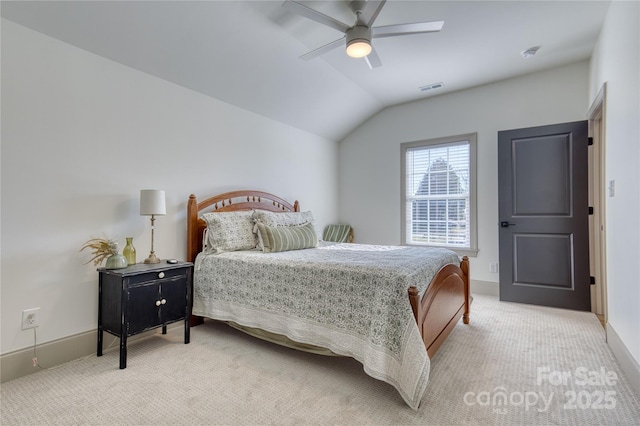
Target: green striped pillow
[[285, 238]]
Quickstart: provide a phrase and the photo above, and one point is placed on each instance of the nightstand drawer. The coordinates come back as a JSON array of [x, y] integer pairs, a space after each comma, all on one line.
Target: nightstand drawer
[[167, 274]]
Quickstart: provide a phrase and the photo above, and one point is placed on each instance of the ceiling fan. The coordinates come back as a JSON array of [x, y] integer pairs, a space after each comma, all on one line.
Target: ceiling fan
[[358, 36]]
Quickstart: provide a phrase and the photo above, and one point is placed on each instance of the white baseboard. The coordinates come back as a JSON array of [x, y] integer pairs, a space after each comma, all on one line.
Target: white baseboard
[[629, 365], [51, 354], [19, 363], [487, 288]]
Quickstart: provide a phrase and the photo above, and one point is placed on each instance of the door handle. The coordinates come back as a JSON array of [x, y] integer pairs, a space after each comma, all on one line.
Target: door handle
[[506, 224]]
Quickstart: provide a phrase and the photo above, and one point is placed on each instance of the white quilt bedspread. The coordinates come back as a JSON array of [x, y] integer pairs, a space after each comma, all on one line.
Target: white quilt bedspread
[[349, 298]]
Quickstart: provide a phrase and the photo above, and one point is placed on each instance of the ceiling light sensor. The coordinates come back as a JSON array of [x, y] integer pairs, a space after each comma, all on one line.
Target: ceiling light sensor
[[359, 41], [530, 52], [432, 86]]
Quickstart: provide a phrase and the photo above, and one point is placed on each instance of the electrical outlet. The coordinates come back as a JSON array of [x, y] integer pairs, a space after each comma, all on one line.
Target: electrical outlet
[[30, 318], [493, 267]]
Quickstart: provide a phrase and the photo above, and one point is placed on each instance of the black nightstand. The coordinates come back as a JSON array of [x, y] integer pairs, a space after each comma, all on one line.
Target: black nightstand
[[142, 297]]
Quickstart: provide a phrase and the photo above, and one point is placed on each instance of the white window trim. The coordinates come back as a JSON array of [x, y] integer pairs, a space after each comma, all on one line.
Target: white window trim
[[472, 250]]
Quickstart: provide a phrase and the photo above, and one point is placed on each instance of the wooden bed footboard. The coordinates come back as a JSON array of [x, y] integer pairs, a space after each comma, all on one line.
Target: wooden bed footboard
[[446, 300]]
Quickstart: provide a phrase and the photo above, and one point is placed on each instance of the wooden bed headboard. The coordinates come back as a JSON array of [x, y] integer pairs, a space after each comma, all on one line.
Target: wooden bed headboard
[[228, 202]]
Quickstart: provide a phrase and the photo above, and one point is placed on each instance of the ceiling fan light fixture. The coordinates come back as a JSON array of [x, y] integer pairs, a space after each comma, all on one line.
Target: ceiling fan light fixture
[[358, 48], [358, 41]]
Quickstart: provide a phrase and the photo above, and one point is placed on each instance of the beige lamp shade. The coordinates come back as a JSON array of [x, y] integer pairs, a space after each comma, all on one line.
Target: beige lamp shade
[[152, 202]]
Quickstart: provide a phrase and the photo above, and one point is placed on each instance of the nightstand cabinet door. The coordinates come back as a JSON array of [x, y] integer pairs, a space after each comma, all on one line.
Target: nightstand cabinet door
[[173, 299], [143, 312], [156, 303]]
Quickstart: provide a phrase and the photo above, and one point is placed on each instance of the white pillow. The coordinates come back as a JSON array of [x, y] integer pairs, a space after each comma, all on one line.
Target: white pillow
[[230, 231], [282, 218]]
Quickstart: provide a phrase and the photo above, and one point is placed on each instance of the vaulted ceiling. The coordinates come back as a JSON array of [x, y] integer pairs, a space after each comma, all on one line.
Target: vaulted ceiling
[[246, 53]]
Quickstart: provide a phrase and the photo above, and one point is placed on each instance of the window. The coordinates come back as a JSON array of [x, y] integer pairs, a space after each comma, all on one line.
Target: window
[[439, 193]]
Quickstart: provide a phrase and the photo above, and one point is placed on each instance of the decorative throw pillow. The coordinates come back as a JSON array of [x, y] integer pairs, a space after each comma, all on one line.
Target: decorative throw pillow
[[285, 238], [280, 219], [230, 231]]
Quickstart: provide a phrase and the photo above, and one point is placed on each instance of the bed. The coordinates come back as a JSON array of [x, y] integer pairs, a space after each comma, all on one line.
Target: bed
[[389, 307]]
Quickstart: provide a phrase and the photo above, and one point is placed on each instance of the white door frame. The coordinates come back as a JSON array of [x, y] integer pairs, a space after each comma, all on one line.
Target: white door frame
[[597, 199]]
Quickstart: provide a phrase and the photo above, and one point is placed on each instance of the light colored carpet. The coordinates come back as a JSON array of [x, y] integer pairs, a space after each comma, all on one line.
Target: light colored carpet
[[226, 377]]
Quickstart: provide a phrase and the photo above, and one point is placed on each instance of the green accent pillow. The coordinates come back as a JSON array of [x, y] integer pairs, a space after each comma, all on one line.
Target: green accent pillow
[[285, 238]]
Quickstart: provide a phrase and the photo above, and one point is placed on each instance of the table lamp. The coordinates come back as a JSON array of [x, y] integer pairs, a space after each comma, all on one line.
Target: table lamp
[[152, 203]]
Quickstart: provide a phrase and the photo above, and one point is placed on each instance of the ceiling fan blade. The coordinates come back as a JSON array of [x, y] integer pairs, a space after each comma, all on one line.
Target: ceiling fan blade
[[323, 49], [314, 15], [371, 11], [372, 59], [404, 29]]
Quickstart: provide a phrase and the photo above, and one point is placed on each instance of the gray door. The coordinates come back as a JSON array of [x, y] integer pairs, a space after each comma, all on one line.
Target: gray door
[[543, 208]]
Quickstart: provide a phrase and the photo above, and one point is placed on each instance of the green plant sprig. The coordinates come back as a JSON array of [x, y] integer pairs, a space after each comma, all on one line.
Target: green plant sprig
[[101, 249]]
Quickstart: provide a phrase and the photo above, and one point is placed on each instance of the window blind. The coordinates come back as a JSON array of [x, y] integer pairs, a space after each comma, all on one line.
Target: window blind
[[437, 194]]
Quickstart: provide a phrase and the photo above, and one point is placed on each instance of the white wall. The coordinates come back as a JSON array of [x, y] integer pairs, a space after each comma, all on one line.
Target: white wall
[[81, 135], [616, 61], [370, 190]]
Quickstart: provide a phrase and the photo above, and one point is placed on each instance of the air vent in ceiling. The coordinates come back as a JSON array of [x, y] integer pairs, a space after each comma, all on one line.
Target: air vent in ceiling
[[530, 52], [429, 87]]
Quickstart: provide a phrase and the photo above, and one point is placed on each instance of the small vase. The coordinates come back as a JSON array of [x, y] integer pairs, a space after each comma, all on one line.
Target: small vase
[[116, 261], [129, 251]]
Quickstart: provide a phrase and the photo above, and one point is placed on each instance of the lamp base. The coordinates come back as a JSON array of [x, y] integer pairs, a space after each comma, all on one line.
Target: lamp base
[[152, 258]]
